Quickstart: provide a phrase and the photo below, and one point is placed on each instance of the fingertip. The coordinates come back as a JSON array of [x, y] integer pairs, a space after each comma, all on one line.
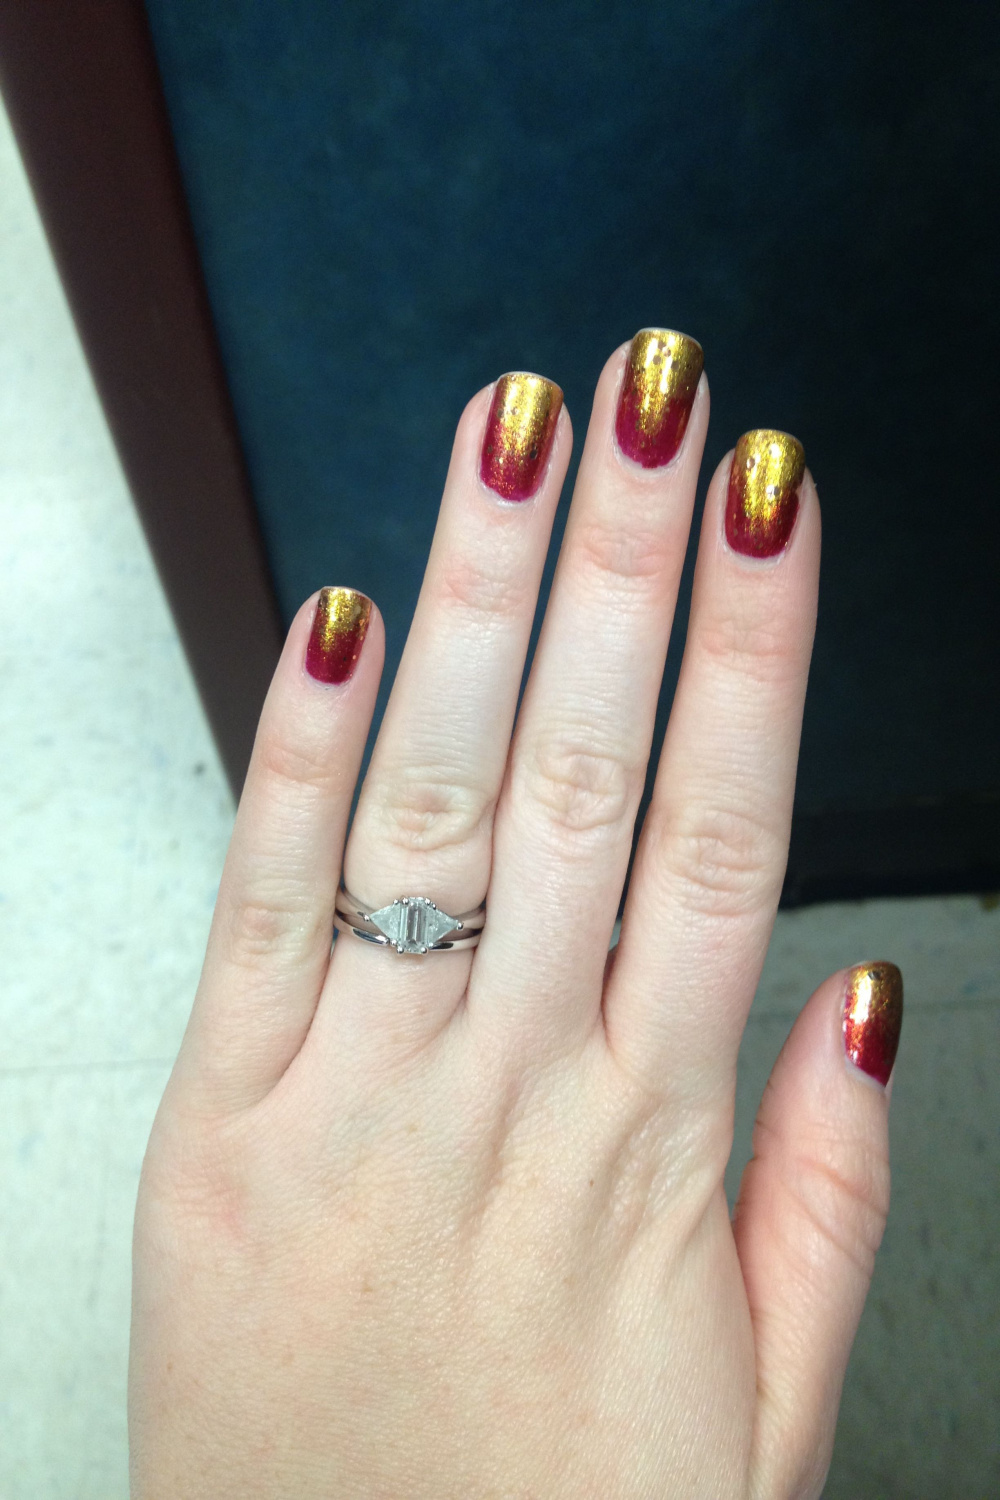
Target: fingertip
[[872, 1019], [337, 629], [843, 1040], [513, 435], [655, 381]]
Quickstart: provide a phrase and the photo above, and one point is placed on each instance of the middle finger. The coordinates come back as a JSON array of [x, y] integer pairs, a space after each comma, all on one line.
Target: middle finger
[[564, 825]]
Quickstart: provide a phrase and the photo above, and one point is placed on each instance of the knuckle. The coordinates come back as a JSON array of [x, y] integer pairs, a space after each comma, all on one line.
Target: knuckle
[[419, 812], [298, 767], [620, 553], [750, 644], [843, 1196], [472, 584], [719, 862], [194, 1172], [259, 929], [580, 789]]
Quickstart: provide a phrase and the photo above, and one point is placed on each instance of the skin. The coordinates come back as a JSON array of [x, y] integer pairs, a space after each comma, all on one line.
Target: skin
[[455, 1227]]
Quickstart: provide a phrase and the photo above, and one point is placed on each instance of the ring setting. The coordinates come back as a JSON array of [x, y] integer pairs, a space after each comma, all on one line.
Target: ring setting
[[410, 924]]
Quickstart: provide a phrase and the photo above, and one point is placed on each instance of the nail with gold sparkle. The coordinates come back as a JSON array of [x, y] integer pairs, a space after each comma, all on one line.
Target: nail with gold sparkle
[[763, 498], [657, 394], [339, 627], [519, 433], [873, 1017]]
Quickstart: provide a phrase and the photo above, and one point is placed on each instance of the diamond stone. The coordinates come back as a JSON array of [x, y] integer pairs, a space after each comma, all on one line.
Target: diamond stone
[[413, 924]]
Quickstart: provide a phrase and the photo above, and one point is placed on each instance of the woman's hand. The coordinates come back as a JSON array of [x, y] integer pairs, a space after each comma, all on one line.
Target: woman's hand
[[453, 1226]]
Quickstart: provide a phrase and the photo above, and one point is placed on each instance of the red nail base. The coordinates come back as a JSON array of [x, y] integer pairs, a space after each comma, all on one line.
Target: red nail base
[[519, 433], [339, 627], [745, 534], [650, 448], [762, 500]]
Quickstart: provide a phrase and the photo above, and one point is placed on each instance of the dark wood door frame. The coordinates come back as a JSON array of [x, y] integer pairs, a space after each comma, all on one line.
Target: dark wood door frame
[[81, 86]]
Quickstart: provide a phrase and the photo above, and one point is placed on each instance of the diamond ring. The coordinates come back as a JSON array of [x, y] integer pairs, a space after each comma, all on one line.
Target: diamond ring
[[410, 924]]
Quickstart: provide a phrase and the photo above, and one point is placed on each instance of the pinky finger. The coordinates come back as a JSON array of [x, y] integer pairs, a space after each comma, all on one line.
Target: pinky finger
[[811, 1215], [269, 946]]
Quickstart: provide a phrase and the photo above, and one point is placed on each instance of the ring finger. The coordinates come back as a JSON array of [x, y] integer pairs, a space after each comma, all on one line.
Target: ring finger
[[709, 865], [424, 819]]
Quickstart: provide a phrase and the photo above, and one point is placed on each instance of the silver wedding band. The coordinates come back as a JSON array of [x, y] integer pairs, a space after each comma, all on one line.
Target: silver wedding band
[[410, 924]]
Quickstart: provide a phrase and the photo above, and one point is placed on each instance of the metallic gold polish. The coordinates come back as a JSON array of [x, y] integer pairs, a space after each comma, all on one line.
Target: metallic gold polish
[[657, 394], [340, 625], [763, 498], [519, 433], [873, 1017]]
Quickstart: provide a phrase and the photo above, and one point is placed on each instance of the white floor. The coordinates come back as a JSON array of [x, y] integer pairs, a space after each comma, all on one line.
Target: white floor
[[114, 818]]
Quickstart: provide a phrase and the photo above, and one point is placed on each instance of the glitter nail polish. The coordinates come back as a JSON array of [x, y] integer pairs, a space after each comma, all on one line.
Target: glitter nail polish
[[873, 1017], [519, 433], [339, 627], [658, 390], [763, 498]]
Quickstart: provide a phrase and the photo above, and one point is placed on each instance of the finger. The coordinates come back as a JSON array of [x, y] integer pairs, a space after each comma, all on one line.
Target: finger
[[269, 945], [712, 855], [425, 816], [564, 829], [811, 1214]]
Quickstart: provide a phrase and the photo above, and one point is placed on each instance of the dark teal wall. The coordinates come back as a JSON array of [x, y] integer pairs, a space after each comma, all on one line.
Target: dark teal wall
[[396, 203]]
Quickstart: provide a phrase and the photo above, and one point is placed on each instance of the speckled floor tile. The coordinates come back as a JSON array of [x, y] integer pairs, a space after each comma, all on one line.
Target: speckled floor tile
[[71, 1145], [115, 818]]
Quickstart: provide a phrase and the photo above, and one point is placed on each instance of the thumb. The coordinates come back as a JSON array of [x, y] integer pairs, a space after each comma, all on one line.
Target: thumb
[[811, 1214]]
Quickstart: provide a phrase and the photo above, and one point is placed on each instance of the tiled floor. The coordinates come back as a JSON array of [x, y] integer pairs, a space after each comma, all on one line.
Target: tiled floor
[[114, 819]]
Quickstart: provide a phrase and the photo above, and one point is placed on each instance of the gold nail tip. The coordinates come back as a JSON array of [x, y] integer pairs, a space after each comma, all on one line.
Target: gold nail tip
[[669, 335], [782, 455], [765, 437], [667, 355], [341, 591], [336, 599], [527, 377], [885, 973], [662, 365]]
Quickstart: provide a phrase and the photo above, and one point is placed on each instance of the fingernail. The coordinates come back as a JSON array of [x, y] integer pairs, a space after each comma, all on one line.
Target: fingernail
[[519, 433], [658, 391], [339, 627], [873, 1017], [763, 498]]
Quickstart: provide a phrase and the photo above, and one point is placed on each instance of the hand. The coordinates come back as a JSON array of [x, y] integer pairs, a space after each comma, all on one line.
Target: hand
[[453, 1226]]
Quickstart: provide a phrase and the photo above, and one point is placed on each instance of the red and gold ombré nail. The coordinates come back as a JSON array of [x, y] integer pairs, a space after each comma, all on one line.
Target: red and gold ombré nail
[[657, 394], [519, 433], [873, 1017], [339, 627], [763, 498]]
